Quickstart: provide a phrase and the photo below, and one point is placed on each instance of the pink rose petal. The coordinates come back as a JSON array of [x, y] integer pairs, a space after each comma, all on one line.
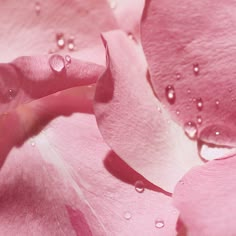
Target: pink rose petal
[[133, 122], [206, 199], [191, 47], [41, 27], [56, 182]]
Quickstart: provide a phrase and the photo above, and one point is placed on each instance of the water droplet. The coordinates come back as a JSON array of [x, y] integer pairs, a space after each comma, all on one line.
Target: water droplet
[[177, 112], [68, 60], [60, 40], [188, 91], [139, 186], [131, 36], [57, 63], [37, 8], [178, 76], [12, 93], [199, 103], [33, 144], [216, 141], [113, 4], [127, 215], [159, 223], [196, 69], [159, 109], [199, 120], [190, 129], [71, 43], [170, 94]]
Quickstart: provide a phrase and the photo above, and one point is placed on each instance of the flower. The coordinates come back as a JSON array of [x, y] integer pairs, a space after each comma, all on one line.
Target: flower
[[183, 115], [58, 177]]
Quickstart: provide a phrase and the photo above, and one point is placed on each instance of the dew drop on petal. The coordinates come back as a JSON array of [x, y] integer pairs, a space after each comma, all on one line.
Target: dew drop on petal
[[178, 76], [71, 43], [37, 8], [127, 215], [188, 91], [57, 63], [196, 69], [170, 94], [199, 103], [139, 186], [60, 40], [199, 120], [33, 144], [12, 93], [190, 129], [177, 112], [68, 60], [159, 223]]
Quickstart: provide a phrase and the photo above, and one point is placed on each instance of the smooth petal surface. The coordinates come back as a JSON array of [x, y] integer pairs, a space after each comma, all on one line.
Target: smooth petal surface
[[132, 121], [206, 199], [60, 181], [42, 27], [191, 46]]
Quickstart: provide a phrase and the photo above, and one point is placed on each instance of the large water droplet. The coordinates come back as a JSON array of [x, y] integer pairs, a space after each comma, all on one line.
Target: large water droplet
[[71, 43], [57, 63], [139, 186], [196, 68], [60, 40], [216, 142], [37, 8], [159, 223], [190, 129], [199, 103], [170, 94], [127, 215]]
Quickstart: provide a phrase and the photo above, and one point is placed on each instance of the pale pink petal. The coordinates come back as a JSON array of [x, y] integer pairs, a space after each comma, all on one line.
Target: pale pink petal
[[41, 27], [132, 120], [191, 47], [128, 15], [206, 199], [60, 180], [30, 78]]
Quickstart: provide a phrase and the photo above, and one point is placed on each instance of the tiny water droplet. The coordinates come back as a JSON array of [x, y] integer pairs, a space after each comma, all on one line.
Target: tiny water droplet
[[170, 94], [71, 43], [12, 93], [178, 76], [177, 112], [159, 223], [113, 4], [217, 133], [188, 91], [68, 60], [37, 8], [217, 102], [127, 215], [139, 186], [60, 40], [159, 109], [57, 63], [199, 120], [131, 36], [230, 90], [196, 69], [190, 129], [33, 144], [199, 104]]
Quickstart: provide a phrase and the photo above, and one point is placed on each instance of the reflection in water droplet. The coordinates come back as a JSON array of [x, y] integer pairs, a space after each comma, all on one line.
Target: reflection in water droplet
[[127, 215], [216, 141], [199, 104], [170, 94], [190, 129], [60, 40], [159, 223], [37, 8], [71, 43], [199, 120], [139, 186], [57, 63], [196, 69]]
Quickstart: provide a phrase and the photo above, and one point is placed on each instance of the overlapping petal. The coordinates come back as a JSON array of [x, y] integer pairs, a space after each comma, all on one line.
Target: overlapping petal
[[132, 120], [206, 199]]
